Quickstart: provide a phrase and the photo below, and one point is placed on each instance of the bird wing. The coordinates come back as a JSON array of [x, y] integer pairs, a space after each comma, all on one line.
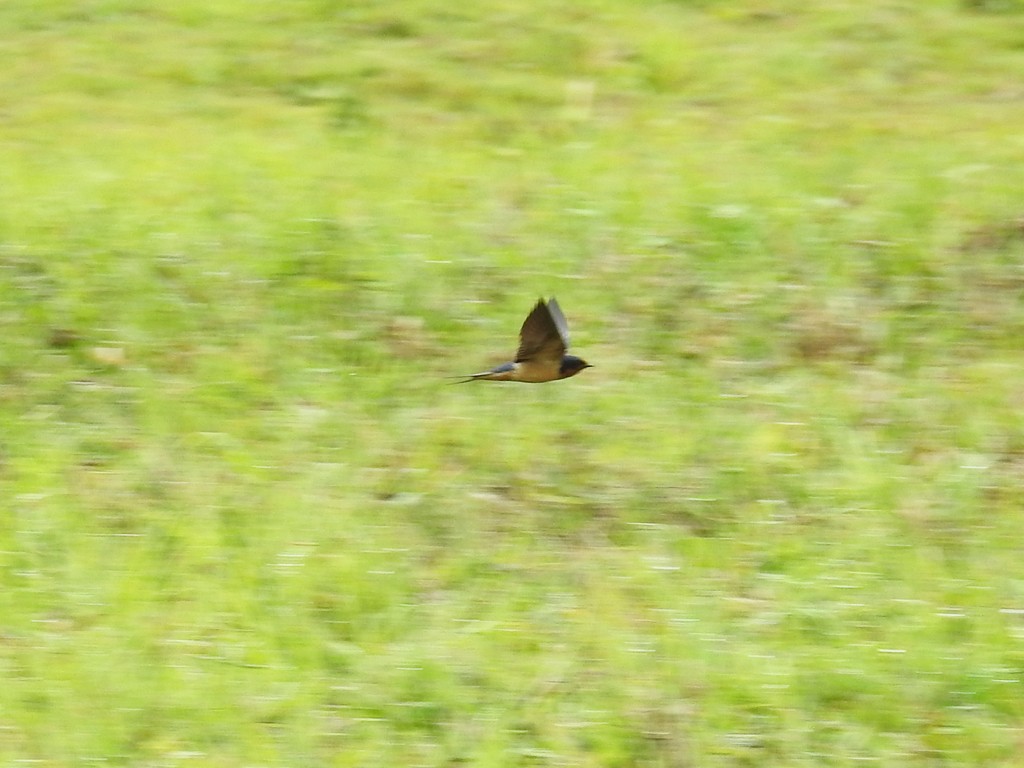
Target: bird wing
[[544, 335]]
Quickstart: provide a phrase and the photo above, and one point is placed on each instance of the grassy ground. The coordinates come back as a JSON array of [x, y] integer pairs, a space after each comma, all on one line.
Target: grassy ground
[[243, 521]]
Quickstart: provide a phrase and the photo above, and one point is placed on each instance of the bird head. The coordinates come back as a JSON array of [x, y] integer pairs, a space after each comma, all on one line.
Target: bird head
[[571, 365]]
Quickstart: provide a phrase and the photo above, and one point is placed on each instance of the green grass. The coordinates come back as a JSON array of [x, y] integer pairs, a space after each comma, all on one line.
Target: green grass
[[244, 522]]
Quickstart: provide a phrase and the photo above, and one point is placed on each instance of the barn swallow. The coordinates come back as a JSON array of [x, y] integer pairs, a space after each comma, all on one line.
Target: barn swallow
[[541, 357]]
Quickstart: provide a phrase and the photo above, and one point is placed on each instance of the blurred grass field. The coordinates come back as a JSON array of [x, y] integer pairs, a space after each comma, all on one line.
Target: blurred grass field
[[244, 521]]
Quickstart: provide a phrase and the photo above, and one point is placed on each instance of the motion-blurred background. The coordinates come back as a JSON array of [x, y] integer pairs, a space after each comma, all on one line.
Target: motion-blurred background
[[244, 521]]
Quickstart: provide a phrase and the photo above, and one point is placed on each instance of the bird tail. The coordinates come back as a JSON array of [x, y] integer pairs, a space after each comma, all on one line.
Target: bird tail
[[467, 379], [503, 372]]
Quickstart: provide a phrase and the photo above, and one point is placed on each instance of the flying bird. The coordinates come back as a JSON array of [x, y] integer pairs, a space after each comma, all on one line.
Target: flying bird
[[543, 340]]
